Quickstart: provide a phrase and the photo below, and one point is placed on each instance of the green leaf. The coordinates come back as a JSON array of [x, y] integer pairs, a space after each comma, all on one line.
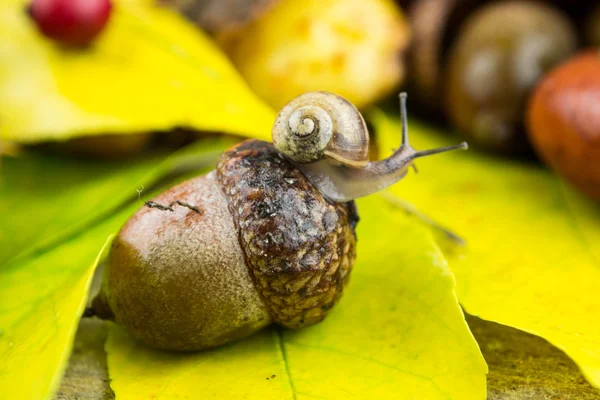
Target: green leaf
[[44, 199], [397, 333], [149, 70], [43, 289], [532, 259], [40, 304]]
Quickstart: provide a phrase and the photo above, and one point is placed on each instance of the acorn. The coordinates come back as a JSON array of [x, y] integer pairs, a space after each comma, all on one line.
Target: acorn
[[500, 53], [564, 121], [267, 237]]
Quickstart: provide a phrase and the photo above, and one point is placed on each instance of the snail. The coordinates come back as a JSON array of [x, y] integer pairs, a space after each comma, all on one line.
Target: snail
[[326, 137], [266, 237]]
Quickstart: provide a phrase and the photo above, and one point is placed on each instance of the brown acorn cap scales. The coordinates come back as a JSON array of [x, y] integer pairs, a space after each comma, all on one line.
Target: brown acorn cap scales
[[266, 247], [299, 246]]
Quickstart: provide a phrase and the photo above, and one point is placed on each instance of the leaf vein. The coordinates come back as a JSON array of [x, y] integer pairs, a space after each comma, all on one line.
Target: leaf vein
[[283, 352]]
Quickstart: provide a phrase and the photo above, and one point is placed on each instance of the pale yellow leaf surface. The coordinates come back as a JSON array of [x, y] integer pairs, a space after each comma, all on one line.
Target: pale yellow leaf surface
[[149, 70], [532, 259], [398, 333], [40, 305], [239, 370]]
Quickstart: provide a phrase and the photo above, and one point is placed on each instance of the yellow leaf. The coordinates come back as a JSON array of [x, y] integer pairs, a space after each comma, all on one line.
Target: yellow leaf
[[38, 317], [149, 70], [54, 218], [398, 333], [532, 258], [239, 370]]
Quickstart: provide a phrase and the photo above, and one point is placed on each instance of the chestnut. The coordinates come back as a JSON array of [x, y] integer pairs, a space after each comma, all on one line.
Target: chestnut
[[500, 53], [563, 121]]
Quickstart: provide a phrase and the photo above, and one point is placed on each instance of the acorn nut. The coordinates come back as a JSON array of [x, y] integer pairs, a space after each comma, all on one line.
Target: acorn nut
[[269, 236]]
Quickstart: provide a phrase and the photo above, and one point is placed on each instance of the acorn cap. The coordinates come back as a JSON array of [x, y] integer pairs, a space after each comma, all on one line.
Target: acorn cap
[[299, 246]]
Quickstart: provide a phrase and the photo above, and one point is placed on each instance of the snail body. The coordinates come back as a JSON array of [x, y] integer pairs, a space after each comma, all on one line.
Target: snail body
[[264, 238]]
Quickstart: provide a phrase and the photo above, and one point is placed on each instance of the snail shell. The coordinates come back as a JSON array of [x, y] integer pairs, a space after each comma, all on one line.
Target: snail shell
[[316, 125]]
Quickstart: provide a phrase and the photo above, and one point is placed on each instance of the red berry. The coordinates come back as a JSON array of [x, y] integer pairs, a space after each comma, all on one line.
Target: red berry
[[70, 22]]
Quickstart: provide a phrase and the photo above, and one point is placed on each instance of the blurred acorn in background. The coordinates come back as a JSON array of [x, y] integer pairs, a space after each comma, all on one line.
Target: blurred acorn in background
[[500, 53], [564, 121], [350, 47]]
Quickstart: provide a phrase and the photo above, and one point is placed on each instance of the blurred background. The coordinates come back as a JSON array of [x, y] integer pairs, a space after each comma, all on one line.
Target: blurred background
[[517, 79]]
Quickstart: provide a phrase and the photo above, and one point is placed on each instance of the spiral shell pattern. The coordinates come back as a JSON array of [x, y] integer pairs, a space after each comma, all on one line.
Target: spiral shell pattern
[[320, 124]]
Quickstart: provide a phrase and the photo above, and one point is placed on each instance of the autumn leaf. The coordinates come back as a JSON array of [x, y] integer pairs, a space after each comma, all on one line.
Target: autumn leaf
[[150, 70], [532, 259], [40, 304], [397, 333], [45, 198], [44, 276]]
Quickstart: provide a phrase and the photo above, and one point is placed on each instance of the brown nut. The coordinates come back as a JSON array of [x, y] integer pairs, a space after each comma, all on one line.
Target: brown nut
[[564, 121], [501, 52], [263, 238]]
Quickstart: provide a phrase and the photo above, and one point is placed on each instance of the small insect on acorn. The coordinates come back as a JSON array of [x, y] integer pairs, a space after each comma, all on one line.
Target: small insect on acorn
[[266, 237], [73, 23]]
